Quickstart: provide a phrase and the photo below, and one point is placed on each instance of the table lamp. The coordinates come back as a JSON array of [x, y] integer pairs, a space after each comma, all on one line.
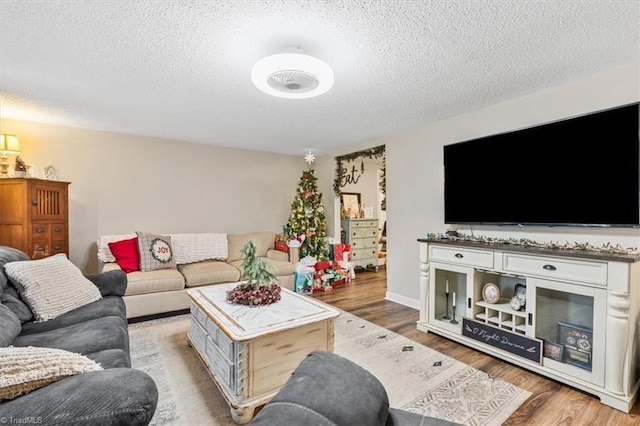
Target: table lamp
[[8, 145]]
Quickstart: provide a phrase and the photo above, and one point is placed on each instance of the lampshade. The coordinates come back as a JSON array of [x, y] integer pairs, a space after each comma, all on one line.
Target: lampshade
[[9, 144], [292, 75]]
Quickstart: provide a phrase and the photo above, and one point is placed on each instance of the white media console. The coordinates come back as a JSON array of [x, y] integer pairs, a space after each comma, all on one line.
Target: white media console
[[580, 322]]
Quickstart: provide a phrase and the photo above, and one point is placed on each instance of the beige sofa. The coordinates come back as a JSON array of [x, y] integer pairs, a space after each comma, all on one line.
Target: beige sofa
[[165, 290]]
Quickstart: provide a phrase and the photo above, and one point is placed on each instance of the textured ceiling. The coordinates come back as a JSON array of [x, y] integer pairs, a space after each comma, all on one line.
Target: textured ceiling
[[181, 69]]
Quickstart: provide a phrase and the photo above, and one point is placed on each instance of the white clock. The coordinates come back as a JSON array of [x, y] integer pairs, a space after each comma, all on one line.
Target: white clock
[[516, 303]]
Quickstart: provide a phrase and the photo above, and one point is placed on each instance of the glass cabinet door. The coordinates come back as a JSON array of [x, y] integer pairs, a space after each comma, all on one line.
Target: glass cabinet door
[[448, 293], [570, 319]]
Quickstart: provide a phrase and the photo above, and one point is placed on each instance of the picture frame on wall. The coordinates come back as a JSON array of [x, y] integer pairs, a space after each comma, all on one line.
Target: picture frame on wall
[[368, 212], [351, 203]]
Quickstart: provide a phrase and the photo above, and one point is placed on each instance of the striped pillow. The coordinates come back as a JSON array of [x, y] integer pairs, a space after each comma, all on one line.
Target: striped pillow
[[51, 286]]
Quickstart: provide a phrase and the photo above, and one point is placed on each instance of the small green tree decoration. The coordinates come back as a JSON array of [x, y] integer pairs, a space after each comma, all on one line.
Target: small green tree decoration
[[261, 286]]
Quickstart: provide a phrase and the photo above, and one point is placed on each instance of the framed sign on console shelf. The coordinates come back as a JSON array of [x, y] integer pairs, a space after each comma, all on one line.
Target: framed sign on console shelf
[[351, 203]]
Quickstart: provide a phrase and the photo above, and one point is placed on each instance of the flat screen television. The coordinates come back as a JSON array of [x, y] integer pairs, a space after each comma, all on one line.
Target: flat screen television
[[582, 171]]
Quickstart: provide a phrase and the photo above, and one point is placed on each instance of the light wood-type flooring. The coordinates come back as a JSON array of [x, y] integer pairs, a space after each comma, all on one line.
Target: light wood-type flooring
[[551, 402]]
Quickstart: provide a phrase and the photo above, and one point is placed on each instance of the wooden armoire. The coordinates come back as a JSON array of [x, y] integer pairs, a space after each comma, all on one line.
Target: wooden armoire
[[34, 216]]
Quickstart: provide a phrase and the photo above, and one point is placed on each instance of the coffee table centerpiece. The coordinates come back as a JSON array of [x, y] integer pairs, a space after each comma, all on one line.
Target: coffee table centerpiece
[[261, 286]]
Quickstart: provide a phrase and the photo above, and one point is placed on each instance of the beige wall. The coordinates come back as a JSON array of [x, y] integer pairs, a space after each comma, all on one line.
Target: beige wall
[[415, 172], [122, 184]]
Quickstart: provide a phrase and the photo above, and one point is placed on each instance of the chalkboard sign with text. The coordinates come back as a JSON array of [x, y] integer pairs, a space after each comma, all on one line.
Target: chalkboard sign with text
[[525, 347]]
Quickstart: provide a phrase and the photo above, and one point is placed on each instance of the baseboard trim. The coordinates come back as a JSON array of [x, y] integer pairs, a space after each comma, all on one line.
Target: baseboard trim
[[157, 316], [403, 300]]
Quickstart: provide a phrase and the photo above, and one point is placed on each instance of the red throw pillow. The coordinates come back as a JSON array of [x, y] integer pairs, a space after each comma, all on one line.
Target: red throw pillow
[[126, 254], [280, 246]]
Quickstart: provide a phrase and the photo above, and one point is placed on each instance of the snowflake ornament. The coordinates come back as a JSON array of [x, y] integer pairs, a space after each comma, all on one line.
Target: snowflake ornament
[[309, 158]]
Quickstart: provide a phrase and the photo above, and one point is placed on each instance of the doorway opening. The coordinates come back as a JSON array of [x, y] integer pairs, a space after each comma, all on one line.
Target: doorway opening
[[360, 207]]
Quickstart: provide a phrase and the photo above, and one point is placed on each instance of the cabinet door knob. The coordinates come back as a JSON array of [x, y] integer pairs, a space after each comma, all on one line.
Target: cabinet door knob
[[549, 267], [39, 230], [57, 229], [57, 247], [459, 256], [34, 202]]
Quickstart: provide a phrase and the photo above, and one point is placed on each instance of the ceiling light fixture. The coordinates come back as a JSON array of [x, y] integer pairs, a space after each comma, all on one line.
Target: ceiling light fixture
[[292, 75]]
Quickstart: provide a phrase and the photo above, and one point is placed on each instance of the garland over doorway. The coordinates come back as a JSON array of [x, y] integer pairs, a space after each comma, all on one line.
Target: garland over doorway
[[342, 174]]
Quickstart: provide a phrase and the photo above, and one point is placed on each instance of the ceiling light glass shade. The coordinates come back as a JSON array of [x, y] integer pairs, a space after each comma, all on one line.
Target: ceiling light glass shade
[[292, 75]]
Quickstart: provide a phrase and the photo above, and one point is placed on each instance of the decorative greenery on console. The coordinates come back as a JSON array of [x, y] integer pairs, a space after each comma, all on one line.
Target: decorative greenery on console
[[525, 242], [375, 152]]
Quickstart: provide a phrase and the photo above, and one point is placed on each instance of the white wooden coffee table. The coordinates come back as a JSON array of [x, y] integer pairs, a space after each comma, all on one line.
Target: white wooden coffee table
[[250, 352]]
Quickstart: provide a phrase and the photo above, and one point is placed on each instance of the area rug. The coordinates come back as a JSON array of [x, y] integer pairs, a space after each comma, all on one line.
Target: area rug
[[416, 378]]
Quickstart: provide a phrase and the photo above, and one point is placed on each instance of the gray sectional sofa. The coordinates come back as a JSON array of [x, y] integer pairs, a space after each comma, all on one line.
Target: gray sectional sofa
[[116, 395], [162, 291]]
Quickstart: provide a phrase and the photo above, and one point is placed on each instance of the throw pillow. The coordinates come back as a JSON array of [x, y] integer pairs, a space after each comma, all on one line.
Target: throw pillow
[[11, 326], [51, 286], [23, 370], [281, 246], [126, 254], [155, 252], [104, 254]]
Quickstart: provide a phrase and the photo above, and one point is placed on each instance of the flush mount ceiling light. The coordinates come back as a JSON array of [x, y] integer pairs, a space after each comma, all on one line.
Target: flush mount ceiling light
[[292, 75]]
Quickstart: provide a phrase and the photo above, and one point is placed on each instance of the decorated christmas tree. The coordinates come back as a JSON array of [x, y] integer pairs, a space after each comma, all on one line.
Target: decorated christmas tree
[[307, 221]]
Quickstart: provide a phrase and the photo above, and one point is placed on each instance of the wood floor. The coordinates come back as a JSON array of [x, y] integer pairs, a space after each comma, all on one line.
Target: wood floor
[[551, 402]]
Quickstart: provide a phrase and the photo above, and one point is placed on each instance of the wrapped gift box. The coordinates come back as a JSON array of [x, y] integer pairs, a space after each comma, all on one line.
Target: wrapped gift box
[[321, 266], [336, 251]]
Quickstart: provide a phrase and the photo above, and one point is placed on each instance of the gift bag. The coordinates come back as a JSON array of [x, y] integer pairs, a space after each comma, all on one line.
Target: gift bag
[[349, 267], [346, 253], [338, 249], [303, 278]]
